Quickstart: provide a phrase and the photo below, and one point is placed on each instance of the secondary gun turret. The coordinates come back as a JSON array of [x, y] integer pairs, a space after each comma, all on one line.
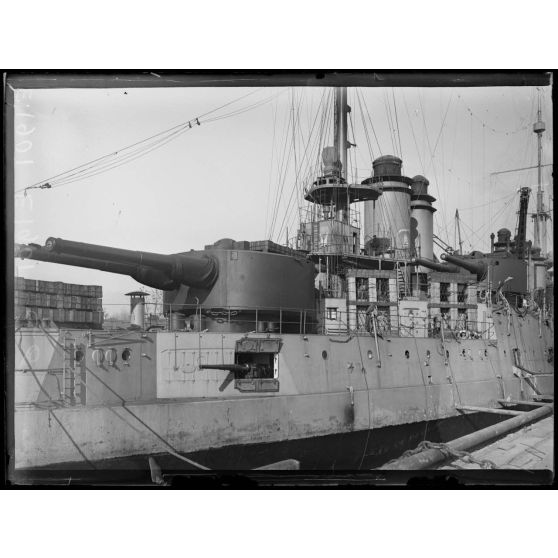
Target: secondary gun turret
[[444, 268], [472, 265]]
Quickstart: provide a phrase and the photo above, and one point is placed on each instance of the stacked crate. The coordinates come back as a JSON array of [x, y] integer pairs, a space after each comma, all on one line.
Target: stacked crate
[[57, 303]]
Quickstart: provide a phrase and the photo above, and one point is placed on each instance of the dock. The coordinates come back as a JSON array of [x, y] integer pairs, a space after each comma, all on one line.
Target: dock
[[532, 447], [527, 436]]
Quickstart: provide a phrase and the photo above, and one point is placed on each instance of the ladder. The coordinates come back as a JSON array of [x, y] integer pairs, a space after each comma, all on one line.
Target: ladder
[[401, 282], [68, 370], [315, 236]]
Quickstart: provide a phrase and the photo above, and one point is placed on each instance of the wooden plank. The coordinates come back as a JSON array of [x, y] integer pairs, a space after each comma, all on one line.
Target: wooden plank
[[489, 410], [429, 457]]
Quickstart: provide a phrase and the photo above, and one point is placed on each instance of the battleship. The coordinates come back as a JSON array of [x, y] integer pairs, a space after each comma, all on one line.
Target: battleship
[[340, 349]]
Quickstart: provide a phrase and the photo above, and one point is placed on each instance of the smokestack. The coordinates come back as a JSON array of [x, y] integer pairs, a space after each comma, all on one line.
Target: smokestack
[[387, 219], [422, 221], [137, 308]]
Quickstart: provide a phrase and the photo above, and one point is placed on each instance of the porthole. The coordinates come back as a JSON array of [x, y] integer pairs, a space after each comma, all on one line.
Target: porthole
[[111, 356], [98, 356], [127, 355], [370, 354], [407, 354]]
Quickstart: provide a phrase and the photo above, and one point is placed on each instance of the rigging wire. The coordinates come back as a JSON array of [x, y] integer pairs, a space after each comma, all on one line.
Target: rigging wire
[[397, 124], [270, 168], [413, 134], [366, 134], [288, 218], [485, 204], [88, 173], [309, 173], [296, 170], [281, 178], [473, 115], [142, 147], [441, 129], [438, 190], [371, 124], [479, 234], [390, 124]]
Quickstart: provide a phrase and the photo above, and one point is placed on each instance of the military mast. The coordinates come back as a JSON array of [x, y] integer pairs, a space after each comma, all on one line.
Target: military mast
[[329, 237], [331, 232], [340, 110], [541, 215]]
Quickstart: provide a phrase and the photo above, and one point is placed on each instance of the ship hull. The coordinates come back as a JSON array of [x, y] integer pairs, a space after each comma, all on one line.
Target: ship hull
[[328, 386], [352, 451]]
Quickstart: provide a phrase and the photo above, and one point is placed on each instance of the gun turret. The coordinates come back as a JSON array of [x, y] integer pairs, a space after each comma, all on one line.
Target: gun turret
[[472, 265], [445, 268], [165, 272], [229, 286]]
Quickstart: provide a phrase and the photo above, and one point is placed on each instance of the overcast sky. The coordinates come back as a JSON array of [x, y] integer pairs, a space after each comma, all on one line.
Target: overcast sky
[[221, 179]]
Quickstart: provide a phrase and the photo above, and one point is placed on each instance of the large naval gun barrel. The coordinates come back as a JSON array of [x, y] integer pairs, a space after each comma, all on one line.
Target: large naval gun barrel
[[479, 267], [165, 272], [436, 266], [227, 286]]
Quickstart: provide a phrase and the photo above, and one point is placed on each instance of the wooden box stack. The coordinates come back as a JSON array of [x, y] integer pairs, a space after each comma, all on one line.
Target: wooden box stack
[[57, 303]]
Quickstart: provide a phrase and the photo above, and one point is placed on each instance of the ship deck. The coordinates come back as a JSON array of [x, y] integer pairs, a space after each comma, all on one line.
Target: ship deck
[[532, 447]]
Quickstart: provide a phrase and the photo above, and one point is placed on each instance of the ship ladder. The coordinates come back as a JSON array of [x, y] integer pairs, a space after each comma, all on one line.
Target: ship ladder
[[68, 370], [401, 283], [315, 236]]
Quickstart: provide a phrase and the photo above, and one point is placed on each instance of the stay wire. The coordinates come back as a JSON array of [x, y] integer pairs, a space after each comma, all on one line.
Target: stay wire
[[105, 167], [114, 153], [298, 170]]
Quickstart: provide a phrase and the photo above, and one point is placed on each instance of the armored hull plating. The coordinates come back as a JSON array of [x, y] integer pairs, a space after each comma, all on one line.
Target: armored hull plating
[[160, 400]]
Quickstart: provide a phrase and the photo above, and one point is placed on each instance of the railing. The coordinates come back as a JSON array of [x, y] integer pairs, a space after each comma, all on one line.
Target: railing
[[361, 323], [281, 320], [261, 319]]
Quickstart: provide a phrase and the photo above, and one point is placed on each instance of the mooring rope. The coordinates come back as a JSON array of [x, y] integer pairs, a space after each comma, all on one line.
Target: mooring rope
[[447, 451]]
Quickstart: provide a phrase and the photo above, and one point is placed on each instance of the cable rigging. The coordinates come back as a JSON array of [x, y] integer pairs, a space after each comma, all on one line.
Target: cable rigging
[[397, 124], [143, 147], [287, 219], [507, 133]]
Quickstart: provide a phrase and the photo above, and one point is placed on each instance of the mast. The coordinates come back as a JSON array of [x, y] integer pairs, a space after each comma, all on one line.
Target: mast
[[340, 129], [541, 216], [340, 146], [331, 233]]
